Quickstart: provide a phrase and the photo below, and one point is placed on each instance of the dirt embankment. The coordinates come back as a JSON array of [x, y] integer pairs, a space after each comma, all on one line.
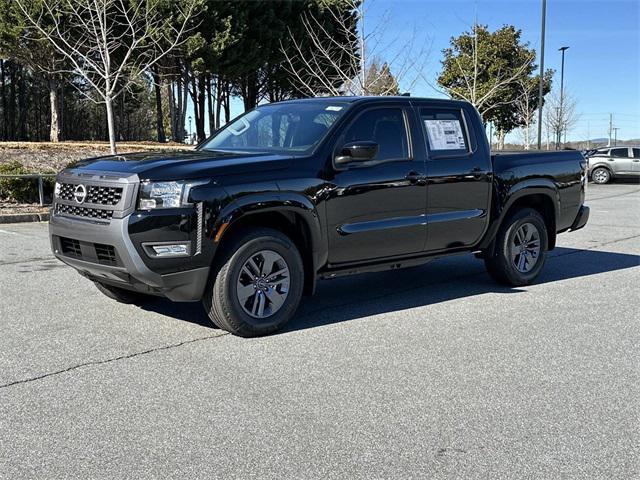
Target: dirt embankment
[[44, 156]]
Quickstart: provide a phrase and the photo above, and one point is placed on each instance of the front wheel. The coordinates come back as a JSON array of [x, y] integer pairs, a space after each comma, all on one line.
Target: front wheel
[[521, 249], [259, 285], [601, 176]]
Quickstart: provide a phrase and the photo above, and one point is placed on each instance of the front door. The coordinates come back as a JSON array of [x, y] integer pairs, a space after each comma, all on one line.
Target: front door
[[459, 175], [636, 161], [376, 209], [620, 161]]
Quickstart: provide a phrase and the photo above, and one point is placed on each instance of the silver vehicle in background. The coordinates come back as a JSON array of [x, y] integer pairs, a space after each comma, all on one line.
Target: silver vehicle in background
[[608, 163]]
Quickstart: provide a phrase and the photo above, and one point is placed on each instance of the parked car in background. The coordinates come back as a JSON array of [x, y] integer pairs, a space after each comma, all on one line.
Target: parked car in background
[[608, 163]]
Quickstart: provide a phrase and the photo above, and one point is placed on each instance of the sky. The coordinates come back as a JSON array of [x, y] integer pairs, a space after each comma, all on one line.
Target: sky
[[602, 64]]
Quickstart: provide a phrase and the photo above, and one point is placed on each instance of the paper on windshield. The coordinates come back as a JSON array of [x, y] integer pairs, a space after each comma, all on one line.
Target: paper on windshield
[[445, 135]]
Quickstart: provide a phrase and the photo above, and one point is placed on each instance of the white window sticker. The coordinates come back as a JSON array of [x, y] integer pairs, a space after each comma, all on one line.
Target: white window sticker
[[333, 108], [445, 135]]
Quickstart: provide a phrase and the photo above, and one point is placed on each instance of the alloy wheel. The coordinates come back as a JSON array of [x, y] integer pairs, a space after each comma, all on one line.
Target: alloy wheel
[[263, 284], [525, 248]]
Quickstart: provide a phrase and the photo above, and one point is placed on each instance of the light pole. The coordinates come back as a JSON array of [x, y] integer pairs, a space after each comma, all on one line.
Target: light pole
[[560, 115], [190, 118], [541, 88], [615, 137]]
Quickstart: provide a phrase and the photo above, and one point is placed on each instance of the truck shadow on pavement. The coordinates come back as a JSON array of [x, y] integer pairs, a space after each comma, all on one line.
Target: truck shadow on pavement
[[351, 298]]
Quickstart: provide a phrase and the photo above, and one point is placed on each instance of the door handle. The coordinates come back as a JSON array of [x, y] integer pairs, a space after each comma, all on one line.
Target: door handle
[[415, 178]]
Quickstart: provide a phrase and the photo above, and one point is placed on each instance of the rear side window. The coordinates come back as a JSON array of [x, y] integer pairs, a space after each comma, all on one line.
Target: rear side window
[[620, 152], [602, 152], [386, 127], [445, 131], [636, 153]]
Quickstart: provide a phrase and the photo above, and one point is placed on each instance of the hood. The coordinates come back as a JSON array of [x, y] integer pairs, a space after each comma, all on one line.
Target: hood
[[183, 164]]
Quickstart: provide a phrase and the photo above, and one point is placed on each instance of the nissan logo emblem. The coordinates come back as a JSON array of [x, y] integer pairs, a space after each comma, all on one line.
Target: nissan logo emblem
[[80, 193]]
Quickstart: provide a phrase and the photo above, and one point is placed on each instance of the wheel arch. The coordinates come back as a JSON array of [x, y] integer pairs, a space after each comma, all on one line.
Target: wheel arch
[[542, 197], [293, 215]]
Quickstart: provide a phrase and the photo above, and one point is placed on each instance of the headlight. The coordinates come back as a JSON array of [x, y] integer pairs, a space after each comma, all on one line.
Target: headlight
[[166, 194]]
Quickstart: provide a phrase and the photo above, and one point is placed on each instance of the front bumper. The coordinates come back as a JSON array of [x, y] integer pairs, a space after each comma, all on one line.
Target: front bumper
[[581, 218], [125, 268]]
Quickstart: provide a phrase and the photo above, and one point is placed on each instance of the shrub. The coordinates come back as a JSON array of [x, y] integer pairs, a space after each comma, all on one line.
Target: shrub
[[23, 190]]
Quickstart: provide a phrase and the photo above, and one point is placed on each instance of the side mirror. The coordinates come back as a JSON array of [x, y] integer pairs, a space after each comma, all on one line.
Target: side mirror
[[358, 151]]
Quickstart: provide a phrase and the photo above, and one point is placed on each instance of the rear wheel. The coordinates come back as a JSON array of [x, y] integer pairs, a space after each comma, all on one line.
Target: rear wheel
[[601, 176], [258, 287], [521, 249], [121, 295]]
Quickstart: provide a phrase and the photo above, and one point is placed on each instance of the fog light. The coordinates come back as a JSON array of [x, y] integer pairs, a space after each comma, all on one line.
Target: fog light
[[168, 249]]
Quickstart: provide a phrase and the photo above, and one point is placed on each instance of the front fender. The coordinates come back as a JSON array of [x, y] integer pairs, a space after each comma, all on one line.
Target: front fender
[[266, 202]]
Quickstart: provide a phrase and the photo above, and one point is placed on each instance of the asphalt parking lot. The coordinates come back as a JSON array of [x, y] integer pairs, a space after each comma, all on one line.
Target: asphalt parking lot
[[431, 372]]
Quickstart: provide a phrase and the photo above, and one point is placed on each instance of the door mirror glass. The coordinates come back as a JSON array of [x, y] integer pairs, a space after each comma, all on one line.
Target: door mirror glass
[[358, 151]]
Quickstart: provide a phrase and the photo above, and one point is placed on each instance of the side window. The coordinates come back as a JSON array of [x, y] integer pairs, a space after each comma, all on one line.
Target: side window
[[445, 132], [386, 127], [620, 152], [636, 153], [602, 152]]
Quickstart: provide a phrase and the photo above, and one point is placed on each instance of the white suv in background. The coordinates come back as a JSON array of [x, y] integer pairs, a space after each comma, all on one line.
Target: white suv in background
[[611, 162]]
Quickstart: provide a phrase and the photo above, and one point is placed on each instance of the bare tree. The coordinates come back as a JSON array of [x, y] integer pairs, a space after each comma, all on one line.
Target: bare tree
[[110, 43], [560, 120], [339, 62], [526, 111]]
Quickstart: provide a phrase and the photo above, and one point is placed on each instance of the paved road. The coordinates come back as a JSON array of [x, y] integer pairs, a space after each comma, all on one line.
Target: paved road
[[432, 372]]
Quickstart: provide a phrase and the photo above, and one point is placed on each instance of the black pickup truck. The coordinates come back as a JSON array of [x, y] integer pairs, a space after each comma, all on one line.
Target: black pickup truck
[[305, 189]]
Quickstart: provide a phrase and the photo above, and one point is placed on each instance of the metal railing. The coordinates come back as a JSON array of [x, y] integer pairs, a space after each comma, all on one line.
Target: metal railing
[[39, 176]]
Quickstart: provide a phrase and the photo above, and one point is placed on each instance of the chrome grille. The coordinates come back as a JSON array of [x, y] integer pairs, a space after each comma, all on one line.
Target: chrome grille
[[95, 194], [64, 209]]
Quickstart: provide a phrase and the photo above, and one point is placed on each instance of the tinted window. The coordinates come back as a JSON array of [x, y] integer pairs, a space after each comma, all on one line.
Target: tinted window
[[287, 127], [386, 127], [620, 152], [636, 153], [445, 131]]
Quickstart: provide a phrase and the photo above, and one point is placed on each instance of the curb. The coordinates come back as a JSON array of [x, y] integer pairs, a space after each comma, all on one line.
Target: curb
[[24, 217]]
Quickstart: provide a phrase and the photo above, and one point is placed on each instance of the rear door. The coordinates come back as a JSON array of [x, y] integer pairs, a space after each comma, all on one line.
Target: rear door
[[459, 176]]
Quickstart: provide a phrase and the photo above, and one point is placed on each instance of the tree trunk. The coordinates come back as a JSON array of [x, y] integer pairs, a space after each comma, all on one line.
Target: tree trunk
[[202, 87], [185, 99], [219, 94], [54, 130], [501, 135], [159, 115], [212, 116], [61, 113], [172, 111], [110, 124], [5, 113], [12, 103], [22, 106]]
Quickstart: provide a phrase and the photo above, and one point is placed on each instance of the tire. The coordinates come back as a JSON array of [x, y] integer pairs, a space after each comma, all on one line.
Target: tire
[[601, 175], [122, 295], [250, 307], [508, 266]]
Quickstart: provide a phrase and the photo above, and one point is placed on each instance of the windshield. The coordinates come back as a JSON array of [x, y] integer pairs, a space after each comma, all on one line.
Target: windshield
[[280, 128]]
